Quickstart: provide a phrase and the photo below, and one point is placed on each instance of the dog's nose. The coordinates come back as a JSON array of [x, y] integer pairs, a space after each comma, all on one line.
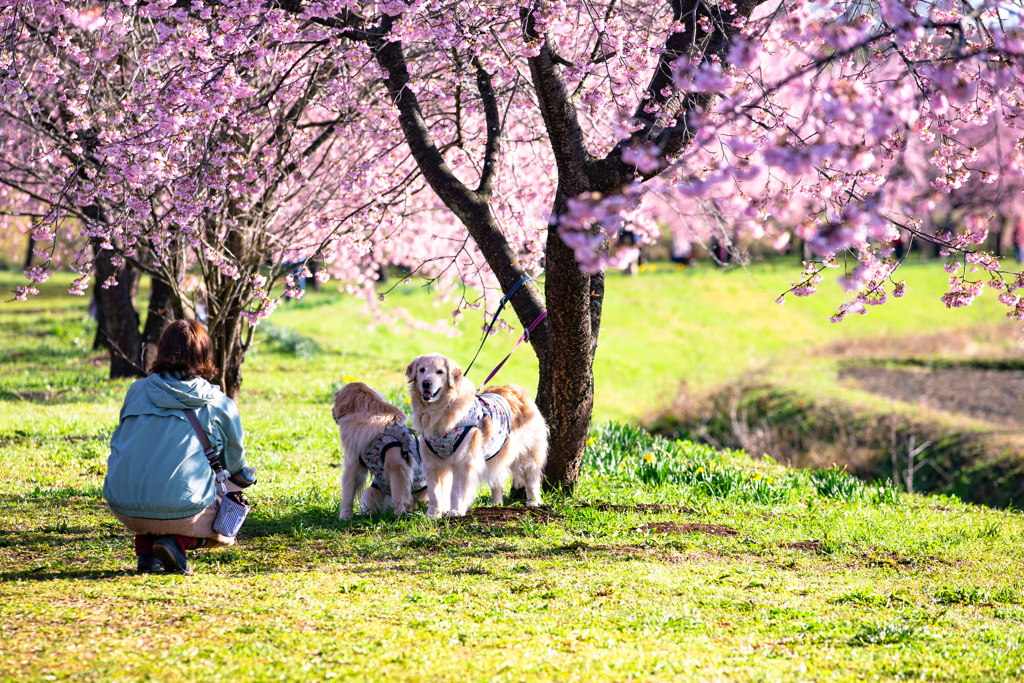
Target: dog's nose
[[426, 385]]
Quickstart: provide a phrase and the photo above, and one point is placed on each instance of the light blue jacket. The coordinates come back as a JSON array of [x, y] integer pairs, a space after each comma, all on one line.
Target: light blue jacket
[[156, 468]]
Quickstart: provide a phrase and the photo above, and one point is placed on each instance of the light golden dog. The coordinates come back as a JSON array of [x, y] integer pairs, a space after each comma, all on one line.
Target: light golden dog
[[375, 440], [466, 438]]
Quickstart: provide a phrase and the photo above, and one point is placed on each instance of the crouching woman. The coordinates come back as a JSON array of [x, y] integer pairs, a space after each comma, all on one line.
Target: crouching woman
[[159, 482]]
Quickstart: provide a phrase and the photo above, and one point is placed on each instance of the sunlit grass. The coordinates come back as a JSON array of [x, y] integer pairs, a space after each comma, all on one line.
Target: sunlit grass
[[750, 571]]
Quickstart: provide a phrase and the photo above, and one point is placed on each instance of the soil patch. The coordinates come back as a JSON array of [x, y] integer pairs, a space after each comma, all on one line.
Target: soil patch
[[806, 546], [645, 508], [993, 395], [676, 528], [500, 517]]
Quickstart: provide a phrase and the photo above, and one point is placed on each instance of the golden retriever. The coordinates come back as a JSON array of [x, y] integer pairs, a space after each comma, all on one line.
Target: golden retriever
[[376, 441], [466, 438]]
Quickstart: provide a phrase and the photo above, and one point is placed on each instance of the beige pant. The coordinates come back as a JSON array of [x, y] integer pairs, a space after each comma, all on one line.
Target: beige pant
[[197, 526]]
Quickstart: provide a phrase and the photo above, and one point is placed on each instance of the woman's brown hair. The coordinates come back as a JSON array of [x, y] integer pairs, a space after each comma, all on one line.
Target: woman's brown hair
[[185, 348]]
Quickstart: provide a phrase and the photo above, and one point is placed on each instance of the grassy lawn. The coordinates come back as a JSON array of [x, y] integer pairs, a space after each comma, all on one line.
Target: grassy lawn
[[734, 570]]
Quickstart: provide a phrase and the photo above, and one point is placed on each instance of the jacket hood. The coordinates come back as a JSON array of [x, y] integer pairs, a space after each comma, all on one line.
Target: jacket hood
[[167, 391], [167, 395]]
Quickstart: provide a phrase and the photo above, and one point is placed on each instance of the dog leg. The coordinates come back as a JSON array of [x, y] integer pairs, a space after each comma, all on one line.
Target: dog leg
[[534, 470], [374, 501], [440, 493], [458, 492], [400, 477], [496, 482], [353, 479], [469, 467]]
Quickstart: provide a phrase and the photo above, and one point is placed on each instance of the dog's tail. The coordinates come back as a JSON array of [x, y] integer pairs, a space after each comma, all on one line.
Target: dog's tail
[[523, 407]]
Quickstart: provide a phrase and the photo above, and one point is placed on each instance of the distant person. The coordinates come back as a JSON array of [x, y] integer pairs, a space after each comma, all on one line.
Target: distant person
[[298, 272], [682, 251], [628, 238], [899, 249], [1018, 241], [159, 483]]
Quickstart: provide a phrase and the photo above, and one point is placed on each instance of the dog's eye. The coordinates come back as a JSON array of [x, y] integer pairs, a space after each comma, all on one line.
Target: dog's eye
[[440, 372], [422, 369]]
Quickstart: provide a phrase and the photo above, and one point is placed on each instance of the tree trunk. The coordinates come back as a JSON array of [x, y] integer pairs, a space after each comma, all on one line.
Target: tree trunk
[[100, 340], [164, 308], [28, 252], [315, 265], [120, 319], [565, 392], [228, 355]]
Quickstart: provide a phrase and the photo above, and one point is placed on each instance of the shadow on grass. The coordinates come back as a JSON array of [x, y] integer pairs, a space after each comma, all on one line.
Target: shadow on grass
[[85, 574]]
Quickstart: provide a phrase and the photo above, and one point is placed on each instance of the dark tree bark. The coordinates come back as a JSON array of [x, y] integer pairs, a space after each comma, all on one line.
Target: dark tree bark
[[100, 340], [315, 265], [164, 308], [228, 355], [120, 319], [226, 327], [28, 252]]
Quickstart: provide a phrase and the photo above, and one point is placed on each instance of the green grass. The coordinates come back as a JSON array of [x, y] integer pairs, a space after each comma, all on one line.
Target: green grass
[[795, 575]]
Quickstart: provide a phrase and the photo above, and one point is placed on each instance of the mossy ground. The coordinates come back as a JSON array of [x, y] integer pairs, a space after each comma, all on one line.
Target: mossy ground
[[795, 577]]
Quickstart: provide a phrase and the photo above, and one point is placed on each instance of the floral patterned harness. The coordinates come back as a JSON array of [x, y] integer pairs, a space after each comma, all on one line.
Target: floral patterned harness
[[373, 458], [493, 406]]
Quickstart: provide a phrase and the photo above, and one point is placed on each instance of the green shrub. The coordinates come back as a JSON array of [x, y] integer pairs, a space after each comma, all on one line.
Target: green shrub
[[290, 341], [631, 453], [836, 482]]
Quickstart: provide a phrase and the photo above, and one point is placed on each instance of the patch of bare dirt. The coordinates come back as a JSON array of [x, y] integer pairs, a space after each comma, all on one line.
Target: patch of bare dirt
[[500, 517], [888, 558], [993, 395], [677, 528], [806, 546], [645, 508]]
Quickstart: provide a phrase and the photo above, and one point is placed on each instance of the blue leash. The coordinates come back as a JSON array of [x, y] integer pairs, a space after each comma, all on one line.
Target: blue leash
[[501, 305]]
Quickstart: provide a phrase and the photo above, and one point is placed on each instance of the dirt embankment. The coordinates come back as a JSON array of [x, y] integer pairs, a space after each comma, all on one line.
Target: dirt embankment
[[992, 395], [982, 462]]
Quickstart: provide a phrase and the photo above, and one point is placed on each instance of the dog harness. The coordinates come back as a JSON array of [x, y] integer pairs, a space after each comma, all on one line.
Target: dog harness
[[373, 458], [495, 407]]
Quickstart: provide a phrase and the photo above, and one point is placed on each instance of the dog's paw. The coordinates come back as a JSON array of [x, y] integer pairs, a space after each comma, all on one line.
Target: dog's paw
[[453, 513], [533, 503], [434, 513], [345, 515]]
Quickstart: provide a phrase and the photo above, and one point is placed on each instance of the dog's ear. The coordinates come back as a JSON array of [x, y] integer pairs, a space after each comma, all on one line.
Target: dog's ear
[[454, 372], [342, 403], [410, 372]]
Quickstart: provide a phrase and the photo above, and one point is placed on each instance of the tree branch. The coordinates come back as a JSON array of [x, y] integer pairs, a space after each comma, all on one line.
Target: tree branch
[[493, 119], [557, 110]]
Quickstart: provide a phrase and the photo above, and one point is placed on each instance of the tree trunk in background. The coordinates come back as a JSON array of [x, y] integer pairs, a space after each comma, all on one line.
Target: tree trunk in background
[[228, 354], [225, 326], [120, 320], [164, 308], [28, 252], [314, 265], [100, 340]]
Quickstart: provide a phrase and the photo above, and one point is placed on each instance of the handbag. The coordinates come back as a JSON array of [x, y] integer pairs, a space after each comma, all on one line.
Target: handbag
[[231, 512]]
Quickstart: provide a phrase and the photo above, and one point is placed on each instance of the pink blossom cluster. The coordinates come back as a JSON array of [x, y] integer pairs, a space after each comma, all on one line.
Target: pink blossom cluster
[[849, 128]]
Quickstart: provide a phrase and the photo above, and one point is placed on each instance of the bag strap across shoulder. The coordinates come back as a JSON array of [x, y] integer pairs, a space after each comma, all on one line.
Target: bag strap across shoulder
[[208, 450]]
